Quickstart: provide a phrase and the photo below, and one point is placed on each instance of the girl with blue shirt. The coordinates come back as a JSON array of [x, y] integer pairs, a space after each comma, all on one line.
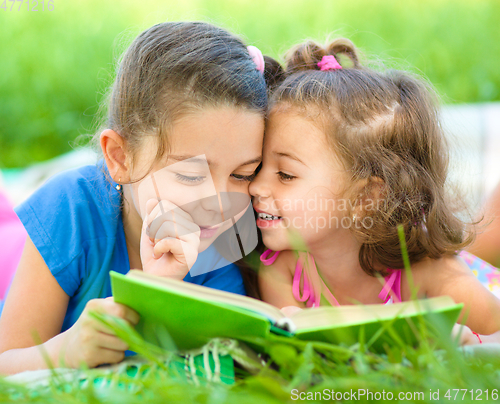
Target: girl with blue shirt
[[183, 90]]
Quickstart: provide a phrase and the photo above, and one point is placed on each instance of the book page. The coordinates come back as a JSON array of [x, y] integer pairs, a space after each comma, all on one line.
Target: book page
[[358, 314]]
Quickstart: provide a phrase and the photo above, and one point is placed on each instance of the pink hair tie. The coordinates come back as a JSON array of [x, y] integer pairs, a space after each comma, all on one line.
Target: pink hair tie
[[328, 62], [257, 57]]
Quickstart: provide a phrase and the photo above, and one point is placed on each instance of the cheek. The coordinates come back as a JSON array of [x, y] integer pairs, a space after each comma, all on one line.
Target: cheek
[[290, 202], [240, 186]]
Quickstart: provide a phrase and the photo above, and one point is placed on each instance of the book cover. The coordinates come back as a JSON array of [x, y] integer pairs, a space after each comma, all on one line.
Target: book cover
[[194, 314]]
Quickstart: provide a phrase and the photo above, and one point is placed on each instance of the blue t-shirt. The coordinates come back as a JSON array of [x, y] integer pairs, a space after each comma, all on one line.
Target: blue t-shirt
[[75, 222]]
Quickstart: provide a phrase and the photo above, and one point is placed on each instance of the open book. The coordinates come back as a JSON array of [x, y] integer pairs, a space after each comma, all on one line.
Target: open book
[[194, 314]]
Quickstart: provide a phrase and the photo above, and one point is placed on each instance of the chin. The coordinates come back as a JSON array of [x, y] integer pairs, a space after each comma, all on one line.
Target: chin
[[276, 243], [204, 244]]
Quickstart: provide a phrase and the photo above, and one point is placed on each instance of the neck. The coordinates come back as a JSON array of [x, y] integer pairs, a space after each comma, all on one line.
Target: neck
[[132, 226], [337, 260], [338, 257]]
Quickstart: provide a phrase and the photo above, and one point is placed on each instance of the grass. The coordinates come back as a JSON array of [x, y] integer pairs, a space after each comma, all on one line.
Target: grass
[[311, 368], [434, 371], [56, 65]]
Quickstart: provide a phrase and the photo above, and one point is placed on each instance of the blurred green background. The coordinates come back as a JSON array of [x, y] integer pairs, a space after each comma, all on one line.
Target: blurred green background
[[56, 65]]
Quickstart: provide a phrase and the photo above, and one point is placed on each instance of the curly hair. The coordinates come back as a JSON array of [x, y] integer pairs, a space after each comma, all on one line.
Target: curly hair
[[385, 129]]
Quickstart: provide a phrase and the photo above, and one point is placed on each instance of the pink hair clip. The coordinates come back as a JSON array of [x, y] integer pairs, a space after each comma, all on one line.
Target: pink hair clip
[[257, 57], [328, 62]]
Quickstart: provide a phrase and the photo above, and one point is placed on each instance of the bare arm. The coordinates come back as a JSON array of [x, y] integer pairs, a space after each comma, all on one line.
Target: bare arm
[[487, 243], [275, 281], [451, 276], [37, 304]]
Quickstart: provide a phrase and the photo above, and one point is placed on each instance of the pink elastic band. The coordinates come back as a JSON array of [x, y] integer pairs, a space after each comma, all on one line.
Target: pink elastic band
[[311, 294], [306, 290], [392, 287], [257, 57], [266, 260], [328, 62], [478, 337]]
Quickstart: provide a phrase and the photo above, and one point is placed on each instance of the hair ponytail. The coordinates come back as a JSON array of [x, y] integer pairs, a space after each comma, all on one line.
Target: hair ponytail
[[345, 47], [304, 56], [307, 55]]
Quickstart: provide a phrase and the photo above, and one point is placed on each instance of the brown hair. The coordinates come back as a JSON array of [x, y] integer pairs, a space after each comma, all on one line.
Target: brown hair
[[173, 68], [382, 125]]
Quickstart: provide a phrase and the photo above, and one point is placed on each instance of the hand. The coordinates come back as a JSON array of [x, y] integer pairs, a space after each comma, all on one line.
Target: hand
[[90, 342], [169, 240], [467, 337]]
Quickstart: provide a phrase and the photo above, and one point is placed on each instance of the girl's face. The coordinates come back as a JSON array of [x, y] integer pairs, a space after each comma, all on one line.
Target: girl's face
[[299, 185], [212, 157]]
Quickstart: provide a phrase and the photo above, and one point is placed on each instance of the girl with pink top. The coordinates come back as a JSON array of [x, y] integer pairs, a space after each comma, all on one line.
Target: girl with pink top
[[350, 153]]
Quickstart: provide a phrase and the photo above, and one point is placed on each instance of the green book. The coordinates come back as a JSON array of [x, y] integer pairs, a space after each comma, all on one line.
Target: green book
[[194, 314]]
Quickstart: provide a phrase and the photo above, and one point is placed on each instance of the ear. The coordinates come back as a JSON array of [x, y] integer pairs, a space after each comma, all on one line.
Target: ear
[[370, 196], [115, 154]]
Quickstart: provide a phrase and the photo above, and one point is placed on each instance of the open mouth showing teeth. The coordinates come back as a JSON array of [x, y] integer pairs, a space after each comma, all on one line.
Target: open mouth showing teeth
[[265, 216]]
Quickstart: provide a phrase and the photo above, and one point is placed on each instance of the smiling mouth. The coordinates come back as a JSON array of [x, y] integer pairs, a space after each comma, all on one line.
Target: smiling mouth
[[210, 227], [267, 216]]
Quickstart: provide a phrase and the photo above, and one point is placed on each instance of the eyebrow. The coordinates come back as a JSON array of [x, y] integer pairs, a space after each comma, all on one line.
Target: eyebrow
[[195, 159], [290, 156]]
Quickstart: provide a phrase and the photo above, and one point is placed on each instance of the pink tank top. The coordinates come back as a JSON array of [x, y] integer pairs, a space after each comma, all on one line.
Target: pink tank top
[[314, 286]]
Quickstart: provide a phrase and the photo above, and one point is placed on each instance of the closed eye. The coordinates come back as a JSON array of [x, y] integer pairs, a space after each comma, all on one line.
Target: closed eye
[[285, 177], [198, 179], [239, 177]]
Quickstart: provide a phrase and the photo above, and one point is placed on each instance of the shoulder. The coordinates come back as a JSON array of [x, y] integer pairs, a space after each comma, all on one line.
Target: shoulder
[[276, 280], [73, 192], [432, 275], [80, 184], [68, 212]]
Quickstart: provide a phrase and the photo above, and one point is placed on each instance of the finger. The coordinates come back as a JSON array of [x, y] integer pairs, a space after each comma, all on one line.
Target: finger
[[185, 253], [166, 223], [157, 211], [168, 245], [107, 341], [166, 229], [97, 326], [192, 240], [109, 356], [173, 246], [151, 204], [169, 209], [181, 224], [158, 208], [121, 311], [146, 244], [177, 245]]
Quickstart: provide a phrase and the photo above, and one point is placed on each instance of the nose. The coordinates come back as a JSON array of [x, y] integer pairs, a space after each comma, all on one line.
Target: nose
[[258, 187]]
